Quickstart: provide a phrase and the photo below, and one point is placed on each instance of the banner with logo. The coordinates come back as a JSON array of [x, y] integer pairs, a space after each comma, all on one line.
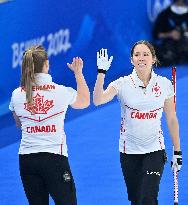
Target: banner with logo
[[70, 28]]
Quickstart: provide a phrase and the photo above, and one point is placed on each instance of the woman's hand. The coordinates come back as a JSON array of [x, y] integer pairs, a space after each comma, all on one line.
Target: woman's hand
[[76, 66]]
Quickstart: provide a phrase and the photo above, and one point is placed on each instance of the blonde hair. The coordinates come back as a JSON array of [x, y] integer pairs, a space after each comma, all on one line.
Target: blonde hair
[[33, 62]]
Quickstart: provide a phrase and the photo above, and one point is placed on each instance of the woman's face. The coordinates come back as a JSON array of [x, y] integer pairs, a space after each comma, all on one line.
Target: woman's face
[[142, 58]]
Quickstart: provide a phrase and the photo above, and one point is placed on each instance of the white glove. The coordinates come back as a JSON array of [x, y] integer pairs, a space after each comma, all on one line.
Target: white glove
[[103, 63], [176, 160]]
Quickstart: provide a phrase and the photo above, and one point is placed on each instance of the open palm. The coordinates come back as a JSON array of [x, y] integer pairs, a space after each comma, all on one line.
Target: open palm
[[76, 65]]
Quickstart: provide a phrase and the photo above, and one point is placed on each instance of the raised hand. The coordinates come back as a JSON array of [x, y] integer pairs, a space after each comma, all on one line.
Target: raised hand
[[76, 66], [103, 63]]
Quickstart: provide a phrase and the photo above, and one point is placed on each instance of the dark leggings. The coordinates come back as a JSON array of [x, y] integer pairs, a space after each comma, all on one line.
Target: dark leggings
[[46, 173], [142, 174]]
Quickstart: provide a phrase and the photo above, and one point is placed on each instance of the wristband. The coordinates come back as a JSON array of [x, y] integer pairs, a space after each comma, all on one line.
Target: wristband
[[177, 152], [101, 71]]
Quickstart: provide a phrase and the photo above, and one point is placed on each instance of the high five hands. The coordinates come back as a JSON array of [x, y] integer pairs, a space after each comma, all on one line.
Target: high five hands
[[76, 66]]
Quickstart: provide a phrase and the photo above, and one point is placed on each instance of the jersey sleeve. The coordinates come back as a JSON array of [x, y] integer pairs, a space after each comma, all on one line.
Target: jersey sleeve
[[169, 89], [117, 85], [72, 94]]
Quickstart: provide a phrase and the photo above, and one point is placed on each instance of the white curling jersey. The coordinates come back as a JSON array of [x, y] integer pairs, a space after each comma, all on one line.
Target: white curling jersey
[[43, 122], [141, 112]]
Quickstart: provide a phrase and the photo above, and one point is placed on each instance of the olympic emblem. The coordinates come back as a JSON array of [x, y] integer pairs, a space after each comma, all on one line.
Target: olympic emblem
[[154, 7], [156, 90]]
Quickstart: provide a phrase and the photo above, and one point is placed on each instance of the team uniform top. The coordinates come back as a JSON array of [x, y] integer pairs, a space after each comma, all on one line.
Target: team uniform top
[[141, 112], [43, 121]]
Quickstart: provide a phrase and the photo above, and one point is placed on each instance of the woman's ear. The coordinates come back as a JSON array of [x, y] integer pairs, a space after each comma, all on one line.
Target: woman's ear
[[46, 66], [154, 61], [131, 60], [47, 63]]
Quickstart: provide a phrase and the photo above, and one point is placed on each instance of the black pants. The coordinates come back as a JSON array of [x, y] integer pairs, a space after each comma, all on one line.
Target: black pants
[[142, 174], [46, 173]]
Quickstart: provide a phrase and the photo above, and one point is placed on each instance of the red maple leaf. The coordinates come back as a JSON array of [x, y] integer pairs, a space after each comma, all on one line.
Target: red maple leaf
[[39, 106], [156, 89]]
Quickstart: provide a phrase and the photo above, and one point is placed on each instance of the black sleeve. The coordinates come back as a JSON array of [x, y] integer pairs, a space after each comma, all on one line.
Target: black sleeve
[[161, 23]]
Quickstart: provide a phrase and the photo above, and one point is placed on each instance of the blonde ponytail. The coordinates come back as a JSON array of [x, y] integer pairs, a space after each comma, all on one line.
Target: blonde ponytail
[[28, 78], [33, 62]]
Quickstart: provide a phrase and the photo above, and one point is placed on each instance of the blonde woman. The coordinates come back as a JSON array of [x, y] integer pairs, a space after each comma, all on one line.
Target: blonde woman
[[39, 106]]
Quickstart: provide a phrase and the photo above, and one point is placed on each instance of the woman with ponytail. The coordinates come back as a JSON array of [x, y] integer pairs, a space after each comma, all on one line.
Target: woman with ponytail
[[39, 106]]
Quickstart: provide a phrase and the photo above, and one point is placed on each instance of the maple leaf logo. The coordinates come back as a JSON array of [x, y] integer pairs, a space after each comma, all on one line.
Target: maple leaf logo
[[39, 106], [156, 90]]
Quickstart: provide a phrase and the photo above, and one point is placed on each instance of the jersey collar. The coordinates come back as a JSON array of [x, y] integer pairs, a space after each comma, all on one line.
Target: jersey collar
[[43, 78], [138, 83]]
